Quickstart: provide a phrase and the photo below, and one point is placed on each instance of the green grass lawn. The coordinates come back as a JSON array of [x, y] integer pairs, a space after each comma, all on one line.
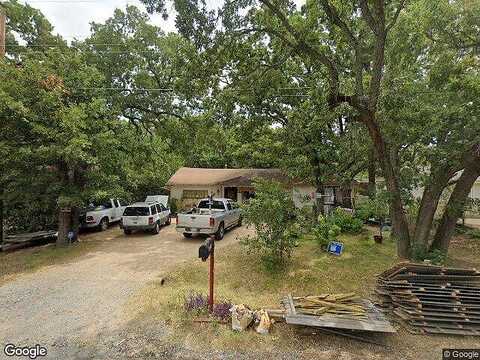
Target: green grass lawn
[[241, 278]]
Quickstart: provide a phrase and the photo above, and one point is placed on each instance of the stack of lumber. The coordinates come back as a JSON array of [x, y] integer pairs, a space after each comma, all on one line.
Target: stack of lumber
[[337, 304], [337, 311], [432, 299]]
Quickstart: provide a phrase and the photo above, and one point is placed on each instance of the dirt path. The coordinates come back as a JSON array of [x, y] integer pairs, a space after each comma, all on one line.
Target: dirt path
[[73, 302]]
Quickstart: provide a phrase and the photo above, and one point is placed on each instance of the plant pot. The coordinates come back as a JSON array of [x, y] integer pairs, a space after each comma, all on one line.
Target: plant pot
[[378, 238]]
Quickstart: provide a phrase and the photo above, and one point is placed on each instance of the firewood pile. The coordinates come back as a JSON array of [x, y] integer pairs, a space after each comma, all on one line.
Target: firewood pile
[[346, 305], [431, 299]]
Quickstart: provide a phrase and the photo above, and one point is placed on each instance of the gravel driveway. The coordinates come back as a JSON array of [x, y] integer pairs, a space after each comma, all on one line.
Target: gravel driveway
[[65, 304]]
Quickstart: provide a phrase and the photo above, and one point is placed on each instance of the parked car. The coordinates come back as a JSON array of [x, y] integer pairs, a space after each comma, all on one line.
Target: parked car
[[211, 217], [100, 215], [145, 216]]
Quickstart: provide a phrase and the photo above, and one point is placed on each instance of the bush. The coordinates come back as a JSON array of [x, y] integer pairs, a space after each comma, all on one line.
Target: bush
[[346, 222], [325, 231], [376, 208], [273, 214], [173, 206], [420, 253], [198, 304], [474, 233]]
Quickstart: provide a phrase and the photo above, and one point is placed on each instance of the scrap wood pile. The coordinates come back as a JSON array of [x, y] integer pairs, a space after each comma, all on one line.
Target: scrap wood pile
[[335, 311], [345, 305], [432, 299]]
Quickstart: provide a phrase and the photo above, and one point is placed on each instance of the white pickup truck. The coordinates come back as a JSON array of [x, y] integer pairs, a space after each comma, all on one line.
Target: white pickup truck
[[211, 217], [102, 214]]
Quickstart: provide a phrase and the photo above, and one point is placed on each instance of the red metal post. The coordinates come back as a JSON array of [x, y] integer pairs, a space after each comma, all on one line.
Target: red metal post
[[211, 277]]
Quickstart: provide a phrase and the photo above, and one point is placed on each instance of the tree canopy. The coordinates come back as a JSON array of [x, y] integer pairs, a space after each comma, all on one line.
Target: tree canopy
[[330, 90]]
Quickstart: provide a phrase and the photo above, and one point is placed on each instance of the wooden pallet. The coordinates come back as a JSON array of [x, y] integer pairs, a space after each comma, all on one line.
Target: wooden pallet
[[374, 320]]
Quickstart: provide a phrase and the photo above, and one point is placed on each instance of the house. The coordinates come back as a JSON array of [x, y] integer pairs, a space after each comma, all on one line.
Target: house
[[188, 185]]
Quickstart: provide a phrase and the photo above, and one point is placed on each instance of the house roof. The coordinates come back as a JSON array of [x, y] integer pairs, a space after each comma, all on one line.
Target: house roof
[[226, 177]]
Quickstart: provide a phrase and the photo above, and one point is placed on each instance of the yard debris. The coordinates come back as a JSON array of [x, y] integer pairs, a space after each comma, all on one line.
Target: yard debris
[[338, 304], [339, 311], [430, 299], [242, 317], [264, 322]]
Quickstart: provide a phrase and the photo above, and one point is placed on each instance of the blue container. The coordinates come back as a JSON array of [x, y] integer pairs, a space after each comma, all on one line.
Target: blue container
[[335, 248]]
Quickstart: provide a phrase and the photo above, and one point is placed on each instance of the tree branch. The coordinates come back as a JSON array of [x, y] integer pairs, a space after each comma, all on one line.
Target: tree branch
[[367, 15], [302, 47], [395, 16], [333, 16]]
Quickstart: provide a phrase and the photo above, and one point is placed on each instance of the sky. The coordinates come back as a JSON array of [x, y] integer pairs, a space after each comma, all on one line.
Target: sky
[[72, 18]]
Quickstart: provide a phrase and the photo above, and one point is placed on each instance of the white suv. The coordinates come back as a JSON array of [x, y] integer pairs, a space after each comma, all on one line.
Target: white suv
[[145, 216]]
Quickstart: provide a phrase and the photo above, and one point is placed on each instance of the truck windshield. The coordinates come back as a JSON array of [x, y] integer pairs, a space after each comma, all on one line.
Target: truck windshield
[[97, 206], [216, 205], [136, 211]]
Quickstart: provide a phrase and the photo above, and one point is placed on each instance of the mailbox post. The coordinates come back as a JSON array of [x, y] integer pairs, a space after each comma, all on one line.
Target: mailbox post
[[207, 250]]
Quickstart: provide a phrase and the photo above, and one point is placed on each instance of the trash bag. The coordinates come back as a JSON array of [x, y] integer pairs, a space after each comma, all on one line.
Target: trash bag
[[242, 317]]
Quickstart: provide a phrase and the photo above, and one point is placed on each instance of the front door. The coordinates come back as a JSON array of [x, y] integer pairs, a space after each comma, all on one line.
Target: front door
[[231, 193]]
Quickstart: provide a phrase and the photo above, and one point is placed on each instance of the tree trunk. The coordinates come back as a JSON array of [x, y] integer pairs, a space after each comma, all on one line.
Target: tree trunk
[[75, 222], [455, 207], [426, 213], [318, 184], [399, 219], [1, 219], [372, 185], [64, 226]]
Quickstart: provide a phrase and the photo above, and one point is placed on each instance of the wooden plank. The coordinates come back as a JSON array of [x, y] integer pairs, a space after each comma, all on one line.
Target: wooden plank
[[26, 237], [375, 321]]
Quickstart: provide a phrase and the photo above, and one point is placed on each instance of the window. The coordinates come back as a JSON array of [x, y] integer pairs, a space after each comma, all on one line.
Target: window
[[194, 194], [154, 209], [96, 206], [229, 206], [159, 208], [216, 205], [117, 203], [163, 207], [136, 211]]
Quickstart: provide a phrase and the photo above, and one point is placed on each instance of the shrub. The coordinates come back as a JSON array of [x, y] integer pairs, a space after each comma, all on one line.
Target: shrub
[[474, 233], [376, 208], [222, 310], [173, 206], [272, 213], [325, 231], [346, 222], [420, 253], [196, 302]]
